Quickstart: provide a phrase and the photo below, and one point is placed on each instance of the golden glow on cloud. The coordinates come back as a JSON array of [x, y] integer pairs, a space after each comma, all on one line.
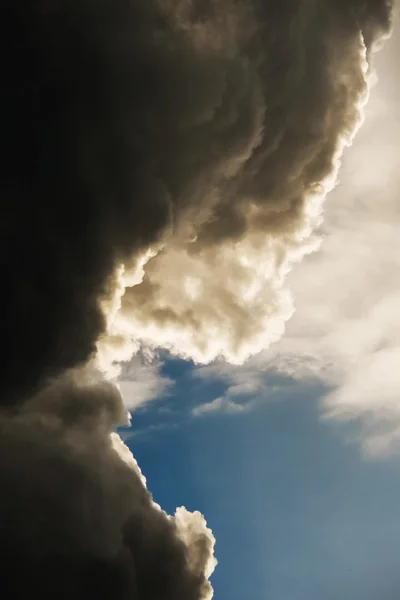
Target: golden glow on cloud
[[229, 299]]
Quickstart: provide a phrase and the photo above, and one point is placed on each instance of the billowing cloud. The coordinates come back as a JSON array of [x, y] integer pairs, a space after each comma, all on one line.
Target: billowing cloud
[[203, 134], [76, 518], [345, 331], [164, 165], [264, 139]]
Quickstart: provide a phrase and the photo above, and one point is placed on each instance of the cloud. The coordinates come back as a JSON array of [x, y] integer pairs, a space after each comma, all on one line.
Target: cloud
[[164, 166], [345, 332], [346, 328], [221, 404], [269, 147], [142, 381], [243, 386], [77, 518], [175, 150]]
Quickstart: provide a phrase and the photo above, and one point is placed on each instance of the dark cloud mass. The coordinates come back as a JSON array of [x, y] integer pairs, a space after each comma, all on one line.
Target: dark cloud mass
[[127, 122], [201, 132], [76, 518]]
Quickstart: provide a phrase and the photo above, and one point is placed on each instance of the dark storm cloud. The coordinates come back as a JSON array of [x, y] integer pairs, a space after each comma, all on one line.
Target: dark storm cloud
[[126, 121], [200, 128], [76, 518], [276, 92]]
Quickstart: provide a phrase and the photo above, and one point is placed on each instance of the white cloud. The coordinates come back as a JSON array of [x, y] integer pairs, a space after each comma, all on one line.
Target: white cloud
[[142, 381], [221, 404], [346, 327]]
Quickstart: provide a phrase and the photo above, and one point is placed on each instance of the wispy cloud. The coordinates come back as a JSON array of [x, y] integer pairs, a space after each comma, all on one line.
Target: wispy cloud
[[223, 404], [142, 381]]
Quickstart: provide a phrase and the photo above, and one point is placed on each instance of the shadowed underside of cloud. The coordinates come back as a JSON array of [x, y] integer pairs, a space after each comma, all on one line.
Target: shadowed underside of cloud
[[77, 519], [164, 165], [263, 138]]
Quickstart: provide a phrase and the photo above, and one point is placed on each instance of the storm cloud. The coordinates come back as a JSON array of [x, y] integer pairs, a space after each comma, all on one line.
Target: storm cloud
[[76, 518], [165, 163], [203, 134]]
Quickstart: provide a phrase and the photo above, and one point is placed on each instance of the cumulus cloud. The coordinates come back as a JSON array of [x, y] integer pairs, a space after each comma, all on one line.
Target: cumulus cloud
[[265, 155], [164, 166], [345, 331], [76, 518], [201, 134]]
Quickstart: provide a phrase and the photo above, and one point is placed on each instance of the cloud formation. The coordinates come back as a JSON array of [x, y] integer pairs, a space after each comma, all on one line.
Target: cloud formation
[[203, 134], [218, 405], [164, 165], [345, 331], [76, 518], [141, 380], [257, 154]]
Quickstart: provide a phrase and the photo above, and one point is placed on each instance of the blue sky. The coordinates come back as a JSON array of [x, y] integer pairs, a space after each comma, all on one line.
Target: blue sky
[[297, 512]]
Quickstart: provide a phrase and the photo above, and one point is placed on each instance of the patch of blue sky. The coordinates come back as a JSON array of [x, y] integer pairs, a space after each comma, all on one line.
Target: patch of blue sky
[[297, 513]]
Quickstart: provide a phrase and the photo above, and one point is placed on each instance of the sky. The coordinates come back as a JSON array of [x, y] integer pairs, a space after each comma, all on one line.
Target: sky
[[295, 510], [199, 267], [293, 456]]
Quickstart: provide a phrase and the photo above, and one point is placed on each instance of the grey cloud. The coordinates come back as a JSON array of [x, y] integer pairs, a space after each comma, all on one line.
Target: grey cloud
[[76, 519], [287, 96]]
